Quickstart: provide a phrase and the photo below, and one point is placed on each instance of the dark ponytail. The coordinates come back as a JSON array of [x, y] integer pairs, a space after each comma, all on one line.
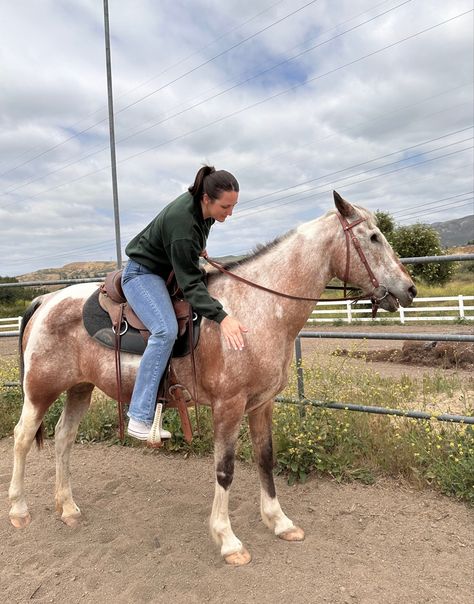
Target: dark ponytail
[[212, 182]]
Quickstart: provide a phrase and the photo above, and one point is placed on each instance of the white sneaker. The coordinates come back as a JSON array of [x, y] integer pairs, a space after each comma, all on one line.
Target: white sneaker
[[141, 430]]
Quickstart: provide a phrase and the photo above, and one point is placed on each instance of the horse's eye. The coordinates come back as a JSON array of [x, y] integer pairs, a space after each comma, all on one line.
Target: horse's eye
[[374, 238]]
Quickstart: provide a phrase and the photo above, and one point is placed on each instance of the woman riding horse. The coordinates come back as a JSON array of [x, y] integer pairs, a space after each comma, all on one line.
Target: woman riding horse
[[173, 241]]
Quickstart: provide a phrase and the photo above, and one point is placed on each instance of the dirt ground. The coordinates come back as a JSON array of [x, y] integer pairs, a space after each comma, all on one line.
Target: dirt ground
[[144, 537], [377, 351]]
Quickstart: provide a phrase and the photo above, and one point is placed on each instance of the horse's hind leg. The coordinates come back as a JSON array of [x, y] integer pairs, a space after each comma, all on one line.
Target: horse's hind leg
[[260, 423], [227, 419], [24, 435], [77, 403]]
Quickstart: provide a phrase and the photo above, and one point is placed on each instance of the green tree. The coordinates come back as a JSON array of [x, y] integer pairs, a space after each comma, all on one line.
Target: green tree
[[8, 295], [422, 240], [386, 224]]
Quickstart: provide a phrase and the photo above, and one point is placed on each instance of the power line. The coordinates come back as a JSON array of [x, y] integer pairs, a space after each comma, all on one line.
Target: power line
[[460, 204], [301, 183], [298, 45], [201, 102], [381, 118], [404, 150], [429, 203], [295, 86], [220, 54], [64, 254], [399, 42], [195, 52], [291, 88], [194, 69], [263, 72], [104, 107], [90, 248], [331, 174], [261, 208]]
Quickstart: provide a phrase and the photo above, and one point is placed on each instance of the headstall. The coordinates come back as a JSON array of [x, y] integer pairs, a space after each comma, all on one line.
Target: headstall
[[349, 236]]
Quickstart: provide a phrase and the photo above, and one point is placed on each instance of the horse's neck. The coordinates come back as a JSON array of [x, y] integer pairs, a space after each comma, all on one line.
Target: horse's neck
[[299, 265]]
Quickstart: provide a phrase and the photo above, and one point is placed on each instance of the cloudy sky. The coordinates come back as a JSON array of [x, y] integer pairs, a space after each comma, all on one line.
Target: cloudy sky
[[372, 98]]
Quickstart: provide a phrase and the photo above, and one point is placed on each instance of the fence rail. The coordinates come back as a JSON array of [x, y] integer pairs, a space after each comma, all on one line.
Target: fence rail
[[302, 400], [10, 323], [348, 312], [414, 414]]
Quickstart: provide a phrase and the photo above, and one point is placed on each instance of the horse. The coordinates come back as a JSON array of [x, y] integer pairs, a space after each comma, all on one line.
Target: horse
[[57, 355]]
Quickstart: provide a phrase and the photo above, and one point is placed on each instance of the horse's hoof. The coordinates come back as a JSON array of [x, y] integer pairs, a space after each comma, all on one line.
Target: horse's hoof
[[293, 534], [71, 521], [20, 522], [154, 444], [238, 558]]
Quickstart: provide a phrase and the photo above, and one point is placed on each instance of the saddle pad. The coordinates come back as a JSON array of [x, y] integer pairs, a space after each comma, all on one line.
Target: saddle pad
[[99, 326]]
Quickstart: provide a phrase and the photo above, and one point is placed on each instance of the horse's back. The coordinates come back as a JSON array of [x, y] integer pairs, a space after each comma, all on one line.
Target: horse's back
[[57, 313]]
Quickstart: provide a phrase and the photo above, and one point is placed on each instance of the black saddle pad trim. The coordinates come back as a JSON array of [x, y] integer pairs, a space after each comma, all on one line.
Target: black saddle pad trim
[[99, 326]]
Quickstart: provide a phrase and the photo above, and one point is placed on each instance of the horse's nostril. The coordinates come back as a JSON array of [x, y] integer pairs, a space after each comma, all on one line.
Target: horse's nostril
[[412, 291]]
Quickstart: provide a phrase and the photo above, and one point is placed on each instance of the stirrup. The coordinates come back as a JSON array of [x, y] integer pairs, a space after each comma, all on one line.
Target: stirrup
[[157, 434]]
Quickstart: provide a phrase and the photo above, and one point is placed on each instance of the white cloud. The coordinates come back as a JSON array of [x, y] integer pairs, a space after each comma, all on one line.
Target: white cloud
[[319, 125]]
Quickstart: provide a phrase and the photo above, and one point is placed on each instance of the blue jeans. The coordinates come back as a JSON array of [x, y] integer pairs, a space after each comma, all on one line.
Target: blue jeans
[[147, 294]]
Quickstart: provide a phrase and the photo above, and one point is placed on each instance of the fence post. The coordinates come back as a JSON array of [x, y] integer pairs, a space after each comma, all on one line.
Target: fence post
[[349, 312], [461, 306], [19, 323], [299, 374], [402, 314]]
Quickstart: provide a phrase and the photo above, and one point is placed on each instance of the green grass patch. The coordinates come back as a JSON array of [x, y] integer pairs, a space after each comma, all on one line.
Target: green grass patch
[[341, 444]]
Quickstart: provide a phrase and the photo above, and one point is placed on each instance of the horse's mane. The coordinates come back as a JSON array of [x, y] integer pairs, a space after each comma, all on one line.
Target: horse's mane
[[261, 250], [257, 252]]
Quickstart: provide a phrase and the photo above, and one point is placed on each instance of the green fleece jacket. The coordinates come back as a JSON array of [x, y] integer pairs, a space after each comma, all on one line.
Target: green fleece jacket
[[173, 241]]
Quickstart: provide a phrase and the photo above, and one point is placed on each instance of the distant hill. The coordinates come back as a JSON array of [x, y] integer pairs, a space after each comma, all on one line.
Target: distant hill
[[85, 270], [455, 232], [73, 270]]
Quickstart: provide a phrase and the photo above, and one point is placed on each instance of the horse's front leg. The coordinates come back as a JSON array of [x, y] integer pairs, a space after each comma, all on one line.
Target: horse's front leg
[[77, 403], [227, 416], [260, 423]]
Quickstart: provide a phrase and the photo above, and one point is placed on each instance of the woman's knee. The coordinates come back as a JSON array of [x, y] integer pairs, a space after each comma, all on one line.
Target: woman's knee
[[166, 334]]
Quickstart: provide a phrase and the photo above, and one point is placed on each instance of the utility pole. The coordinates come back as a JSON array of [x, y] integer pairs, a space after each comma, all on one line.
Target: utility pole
[[112, 134]]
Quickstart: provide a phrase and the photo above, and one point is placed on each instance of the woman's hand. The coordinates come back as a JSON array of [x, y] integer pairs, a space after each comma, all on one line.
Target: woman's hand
[[232, 331]]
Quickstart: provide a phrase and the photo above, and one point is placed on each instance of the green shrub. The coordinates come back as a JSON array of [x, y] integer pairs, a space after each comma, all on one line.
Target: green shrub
[[320, 441]]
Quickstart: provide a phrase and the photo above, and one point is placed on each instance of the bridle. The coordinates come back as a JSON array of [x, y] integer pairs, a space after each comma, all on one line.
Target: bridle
[[349, 236]]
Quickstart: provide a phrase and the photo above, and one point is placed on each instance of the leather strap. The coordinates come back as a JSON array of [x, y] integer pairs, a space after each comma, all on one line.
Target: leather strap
[[347, 228], [118, 372], [176, 391], [222, 269], [193, 367]]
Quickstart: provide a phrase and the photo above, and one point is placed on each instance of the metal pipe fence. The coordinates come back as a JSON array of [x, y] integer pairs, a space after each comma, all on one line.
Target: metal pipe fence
[[302, 399], [414, 414], [423, 415]]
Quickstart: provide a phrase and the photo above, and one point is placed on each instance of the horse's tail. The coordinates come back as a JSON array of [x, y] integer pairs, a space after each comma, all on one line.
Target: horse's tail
[[32, 308]]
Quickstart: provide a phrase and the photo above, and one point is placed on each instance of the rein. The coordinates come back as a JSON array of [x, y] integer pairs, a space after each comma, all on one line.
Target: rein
[[346, 226]]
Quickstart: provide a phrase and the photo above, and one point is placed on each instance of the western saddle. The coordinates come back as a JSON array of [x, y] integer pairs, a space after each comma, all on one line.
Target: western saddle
[[171, 393]]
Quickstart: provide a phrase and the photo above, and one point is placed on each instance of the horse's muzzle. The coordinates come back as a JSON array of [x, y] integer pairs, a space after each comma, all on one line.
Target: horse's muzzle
[[392, 301]]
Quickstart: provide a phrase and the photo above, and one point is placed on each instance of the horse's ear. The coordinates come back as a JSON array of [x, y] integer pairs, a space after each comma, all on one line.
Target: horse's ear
[[343, 206]]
